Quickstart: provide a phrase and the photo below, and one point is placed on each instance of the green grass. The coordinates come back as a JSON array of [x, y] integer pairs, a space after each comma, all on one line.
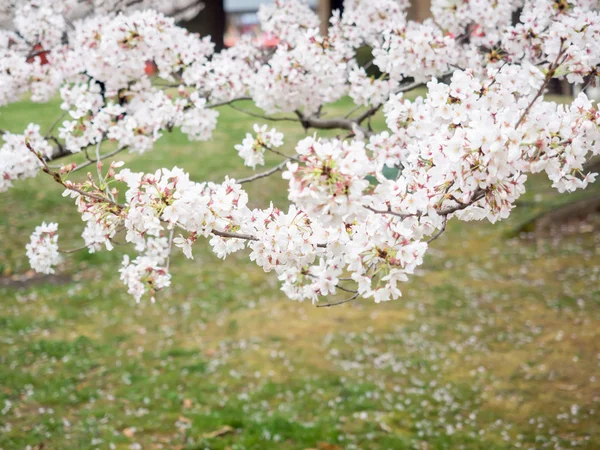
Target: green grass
[[494, 344]]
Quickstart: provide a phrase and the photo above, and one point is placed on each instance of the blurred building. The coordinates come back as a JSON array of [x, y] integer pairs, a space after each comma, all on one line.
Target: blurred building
[[241, 17]]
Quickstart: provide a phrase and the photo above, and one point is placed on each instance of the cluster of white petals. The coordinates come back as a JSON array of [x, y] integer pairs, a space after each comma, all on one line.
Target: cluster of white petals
[[42, 249], [252, 149], [329, 180], [364, 204], [17, 161], [147, 272]]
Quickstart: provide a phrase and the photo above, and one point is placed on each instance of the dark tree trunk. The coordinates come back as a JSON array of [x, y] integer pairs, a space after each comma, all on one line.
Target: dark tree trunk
[[209, 22], [337, 4], [554, 219]]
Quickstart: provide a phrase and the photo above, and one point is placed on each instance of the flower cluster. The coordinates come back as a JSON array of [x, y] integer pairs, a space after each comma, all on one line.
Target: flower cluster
[[419, 51], [329, 181], [17, 161], [42, 249], [147, 272], [252, 149]]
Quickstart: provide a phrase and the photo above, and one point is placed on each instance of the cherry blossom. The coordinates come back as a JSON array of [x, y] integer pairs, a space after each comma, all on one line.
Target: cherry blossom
[[42, 250], [252, 149]]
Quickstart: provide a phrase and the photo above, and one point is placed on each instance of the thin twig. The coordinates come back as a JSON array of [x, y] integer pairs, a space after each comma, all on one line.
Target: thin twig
[[477, 195], [439, 233], [342, 288], [69, 185], [341, 302], [352, 111], [91, 161], [51, 129], [227, 234], [74, 250], [389, 211], [277, 152], [264, 174], [551, 71], [261, 116], [170, 248], [227, 102]]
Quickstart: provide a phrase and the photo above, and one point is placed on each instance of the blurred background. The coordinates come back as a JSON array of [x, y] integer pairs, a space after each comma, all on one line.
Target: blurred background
[[227, 20]]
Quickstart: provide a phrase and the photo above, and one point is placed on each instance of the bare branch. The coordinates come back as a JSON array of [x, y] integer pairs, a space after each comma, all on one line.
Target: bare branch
[[331, 124], [227, 234]]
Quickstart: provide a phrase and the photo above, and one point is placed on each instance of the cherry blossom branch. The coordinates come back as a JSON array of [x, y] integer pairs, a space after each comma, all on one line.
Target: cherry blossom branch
[[227, 234], [68, 185], [549, 74], [477, 195], [440, 232]]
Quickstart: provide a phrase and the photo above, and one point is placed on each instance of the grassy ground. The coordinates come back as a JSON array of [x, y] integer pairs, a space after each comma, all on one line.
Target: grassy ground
[[494, 345]]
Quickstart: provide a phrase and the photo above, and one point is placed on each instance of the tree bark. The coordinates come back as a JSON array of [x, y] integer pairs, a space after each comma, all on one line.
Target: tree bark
[[324, 9], [210, 21], [551, 220], [419, 10]]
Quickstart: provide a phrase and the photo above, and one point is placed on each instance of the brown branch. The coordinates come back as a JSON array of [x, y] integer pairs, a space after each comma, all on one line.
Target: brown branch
[[330, 124], [227, 234], [477, 195], [247, 237]]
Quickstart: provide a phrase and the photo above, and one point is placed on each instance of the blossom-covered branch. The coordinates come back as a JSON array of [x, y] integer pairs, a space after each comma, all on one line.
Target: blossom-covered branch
[[363, 208]]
